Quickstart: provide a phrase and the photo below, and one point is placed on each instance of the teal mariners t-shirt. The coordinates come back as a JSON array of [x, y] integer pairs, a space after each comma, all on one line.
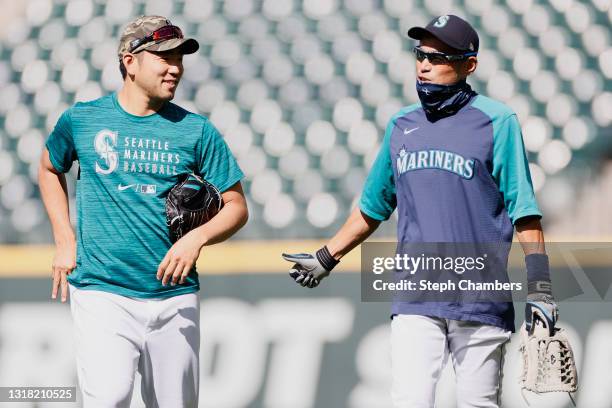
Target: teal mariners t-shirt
[[127, 166]]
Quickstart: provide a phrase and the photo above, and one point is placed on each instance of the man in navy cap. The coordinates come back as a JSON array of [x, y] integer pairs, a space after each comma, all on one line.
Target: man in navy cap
[[454, 166]]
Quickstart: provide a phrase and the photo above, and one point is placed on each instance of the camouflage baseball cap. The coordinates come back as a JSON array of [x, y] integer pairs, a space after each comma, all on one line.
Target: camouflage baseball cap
[[145, 26]]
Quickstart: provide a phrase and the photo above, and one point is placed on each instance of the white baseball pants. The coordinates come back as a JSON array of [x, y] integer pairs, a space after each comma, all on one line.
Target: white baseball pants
[[420, 346], [117, 335]]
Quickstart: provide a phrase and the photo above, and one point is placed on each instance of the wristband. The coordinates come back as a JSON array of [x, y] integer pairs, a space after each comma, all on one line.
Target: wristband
[[326, 259], [538, 274]]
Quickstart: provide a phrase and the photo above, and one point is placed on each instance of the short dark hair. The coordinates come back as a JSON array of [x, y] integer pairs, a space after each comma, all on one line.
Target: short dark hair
[[122, 69]]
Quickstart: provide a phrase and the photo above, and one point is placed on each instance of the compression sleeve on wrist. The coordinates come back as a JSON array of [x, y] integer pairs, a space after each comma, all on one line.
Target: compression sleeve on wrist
[[538, 274], [326, 259]]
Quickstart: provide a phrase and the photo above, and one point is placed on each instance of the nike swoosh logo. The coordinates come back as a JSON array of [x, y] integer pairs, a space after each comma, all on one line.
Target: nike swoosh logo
[[406, 131], [122, 187]]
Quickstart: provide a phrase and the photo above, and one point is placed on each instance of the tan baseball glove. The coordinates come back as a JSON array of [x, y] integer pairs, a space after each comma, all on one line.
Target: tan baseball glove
[[548, 360]]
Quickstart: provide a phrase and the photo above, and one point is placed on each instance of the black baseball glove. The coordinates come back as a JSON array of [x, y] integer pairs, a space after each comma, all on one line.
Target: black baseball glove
[[192, 202]]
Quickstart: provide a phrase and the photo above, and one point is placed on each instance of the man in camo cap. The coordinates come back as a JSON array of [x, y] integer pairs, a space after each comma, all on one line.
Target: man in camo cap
[[153, 34], [133, 293]]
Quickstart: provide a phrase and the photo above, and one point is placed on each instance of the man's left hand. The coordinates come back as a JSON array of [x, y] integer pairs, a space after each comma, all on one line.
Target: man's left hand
[[179, 259], [541, 306]]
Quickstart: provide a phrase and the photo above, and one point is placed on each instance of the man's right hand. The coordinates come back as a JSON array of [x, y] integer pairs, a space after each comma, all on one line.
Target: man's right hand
[[309, 269], [63, 264]]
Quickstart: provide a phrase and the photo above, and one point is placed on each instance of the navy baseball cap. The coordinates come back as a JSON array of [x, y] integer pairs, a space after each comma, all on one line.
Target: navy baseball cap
[[451, 30]]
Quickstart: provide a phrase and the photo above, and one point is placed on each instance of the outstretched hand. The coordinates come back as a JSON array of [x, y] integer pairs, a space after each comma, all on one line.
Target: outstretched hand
[[309, 269]]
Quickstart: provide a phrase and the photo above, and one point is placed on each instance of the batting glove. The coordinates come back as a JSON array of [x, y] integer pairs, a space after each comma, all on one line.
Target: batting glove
[[308, 269], [541, 307]]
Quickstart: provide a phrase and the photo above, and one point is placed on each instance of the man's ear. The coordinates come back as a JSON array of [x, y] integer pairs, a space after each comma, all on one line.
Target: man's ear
[[470, 65], [130, 61]]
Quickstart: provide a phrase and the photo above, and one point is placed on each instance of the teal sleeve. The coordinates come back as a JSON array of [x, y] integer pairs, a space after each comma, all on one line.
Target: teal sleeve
[[511, 169], [216, 162], [60, 144], [378, 198]]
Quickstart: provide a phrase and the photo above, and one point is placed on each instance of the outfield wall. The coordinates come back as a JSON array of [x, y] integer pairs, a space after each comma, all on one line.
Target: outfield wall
[[269, 343]]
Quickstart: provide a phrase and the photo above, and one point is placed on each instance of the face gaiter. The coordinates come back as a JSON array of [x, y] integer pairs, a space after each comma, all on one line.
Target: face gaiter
[[443, 100]]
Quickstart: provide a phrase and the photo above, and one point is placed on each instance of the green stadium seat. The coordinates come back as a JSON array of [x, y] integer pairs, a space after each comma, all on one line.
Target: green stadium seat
[[303, 93]]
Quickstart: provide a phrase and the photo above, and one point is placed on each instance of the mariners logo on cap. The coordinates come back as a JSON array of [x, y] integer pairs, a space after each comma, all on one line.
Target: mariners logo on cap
[[441, 22]]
